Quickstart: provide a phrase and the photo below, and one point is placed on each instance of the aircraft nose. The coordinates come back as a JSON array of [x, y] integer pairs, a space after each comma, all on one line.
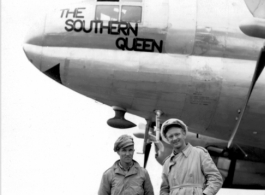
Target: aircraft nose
[[36, 32], [33, 42], [33, 54]]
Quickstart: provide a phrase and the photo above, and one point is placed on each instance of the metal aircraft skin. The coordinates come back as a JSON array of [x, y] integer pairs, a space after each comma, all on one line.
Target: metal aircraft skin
[[189, 59]]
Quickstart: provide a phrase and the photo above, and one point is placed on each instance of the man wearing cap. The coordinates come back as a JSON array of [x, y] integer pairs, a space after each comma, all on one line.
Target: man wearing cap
[[125, 177], [188, 170]]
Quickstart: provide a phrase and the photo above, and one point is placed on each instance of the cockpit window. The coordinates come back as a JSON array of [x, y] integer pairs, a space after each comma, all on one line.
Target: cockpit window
[[131, 0], [107, 12], [121, 0], [131, 13], [109, 0]]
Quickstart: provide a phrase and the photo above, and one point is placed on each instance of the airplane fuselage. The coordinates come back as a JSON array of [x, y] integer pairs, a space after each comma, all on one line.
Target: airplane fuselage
[[188, 59]]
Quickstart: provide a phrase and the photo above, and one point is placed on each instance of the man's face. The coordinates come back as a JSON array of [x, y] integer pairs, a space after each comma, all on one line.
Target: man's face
[[176, 137], [126, 154]]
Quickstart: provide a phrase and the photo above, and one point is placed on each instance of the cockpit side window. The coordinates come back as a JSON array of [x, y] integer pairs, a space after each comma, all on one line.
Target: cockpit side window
[[109, 0], [121, 0], [119, 10], [131, 13], [131, 0], [107, 12]]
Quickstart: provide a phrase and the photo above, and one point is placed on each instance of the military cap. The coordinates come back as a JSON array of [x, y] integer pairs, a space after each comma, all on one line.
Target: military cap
[[172, 122], [122, 142]]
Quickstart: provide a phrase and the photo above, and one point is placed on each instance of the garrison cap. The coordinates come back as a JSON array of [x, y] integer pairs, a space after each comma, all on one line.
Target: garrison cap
[[172, 122], [122, 142]]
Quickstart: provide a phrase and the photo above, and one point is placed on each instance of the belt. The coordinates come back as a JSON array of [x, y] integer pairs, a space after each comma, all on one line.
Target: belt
[[186, 185]]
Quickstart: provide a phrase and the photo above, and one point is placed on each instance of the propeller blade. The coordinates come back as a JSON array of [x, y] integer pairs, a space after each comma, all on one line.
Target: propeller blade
[[147, 152], [146, 135], [259, 67], [258, 70]]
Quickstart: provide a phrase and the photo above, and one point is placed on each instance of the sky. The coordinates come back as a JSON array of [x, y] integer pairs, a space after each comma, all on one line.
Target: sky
[[53, 140]]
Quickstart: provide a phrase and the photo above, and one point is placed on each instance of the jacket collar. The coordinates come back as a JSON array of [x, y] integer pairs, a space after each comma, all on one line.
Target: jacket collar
[[186, 151], [133, 170]]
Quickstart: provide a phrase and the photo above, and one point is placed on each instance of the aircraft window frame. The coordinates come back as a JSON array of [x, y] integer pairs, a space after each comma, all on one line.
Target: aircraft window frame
[[140, 16], [118, 13], [121, 3], [132, 1], [108, 0]]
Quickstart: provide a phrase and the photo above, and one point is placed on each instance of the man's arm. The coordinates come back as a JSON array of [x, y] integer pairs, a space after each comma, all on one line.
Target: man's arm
[[148, 187], [212, 175], [164, 188], [105, 186]]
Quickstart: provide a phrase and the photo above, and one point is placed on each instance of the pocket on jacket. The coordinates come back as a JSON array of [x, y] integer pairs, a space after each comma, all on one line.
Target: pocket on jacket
[[137, 190]]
